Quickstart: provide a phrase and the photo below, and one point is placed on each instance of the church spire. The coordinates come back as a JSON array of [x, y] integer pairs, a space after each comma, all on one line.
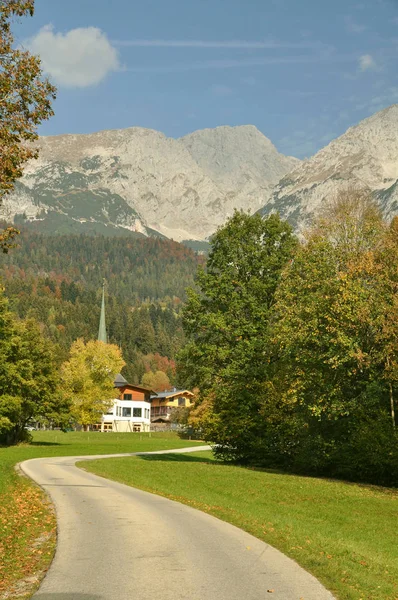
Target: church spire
[[102, 336]]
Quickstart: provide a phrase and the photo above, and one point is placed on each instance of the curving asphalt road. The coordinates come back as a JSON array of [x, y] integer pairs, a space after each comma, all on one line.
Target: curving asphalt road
[[119, 543]]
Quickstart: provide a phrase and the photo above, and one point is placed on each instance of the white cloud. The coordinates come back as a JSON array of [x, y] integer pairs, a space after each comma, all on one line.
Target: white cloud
[[366, 62], [224, 44], [78, 58], [239, 63]]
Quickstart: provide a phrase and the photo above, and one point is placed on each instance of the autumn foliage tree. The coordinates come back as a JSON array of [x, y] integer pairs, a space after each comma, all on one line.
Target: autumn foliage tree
[[88, 379], [25, 101], [156, 380], [328, 307], [336, 330]]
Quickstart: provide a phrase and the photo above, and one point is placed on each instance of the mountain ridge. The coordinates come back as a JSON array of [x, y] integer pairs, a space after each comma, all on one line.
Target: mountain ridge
[[364, 157], [141, 180]]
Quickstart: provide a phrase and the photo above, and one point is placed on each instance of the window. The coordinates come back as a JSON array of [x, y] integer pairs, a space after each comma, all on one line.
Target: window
[[181, 401], [137, 412], [126, 411], [127, 396]]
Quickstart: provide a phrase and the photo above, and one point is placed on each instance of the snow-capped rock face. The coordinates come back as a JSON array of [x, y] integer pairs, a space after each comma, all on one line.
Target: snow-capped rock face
[[366, 156], [139, 179]]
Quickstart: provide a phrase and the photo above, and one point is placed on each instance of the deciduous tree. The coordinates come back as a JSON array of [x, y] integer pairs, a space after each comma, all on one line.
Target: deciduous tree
[[28, 376], [88, 379], [25, 101], [226, 323], [157, 381], [335, 326], [328, 309]]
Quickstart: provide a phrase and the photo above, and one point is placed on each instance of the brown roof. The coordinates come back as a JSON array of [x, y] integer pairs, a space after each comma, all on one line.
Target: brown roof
[[140, 388]]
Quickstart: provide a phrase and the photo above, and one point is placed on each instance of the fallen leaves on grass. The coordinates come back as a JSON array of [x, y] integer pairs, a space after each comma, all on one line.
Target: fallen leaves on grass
[[27, 536]]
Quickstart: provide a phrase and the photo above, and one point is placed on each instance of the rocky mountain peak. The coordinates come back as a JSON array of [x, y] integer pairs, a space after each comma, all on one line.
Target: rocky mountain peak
[[365, 156]]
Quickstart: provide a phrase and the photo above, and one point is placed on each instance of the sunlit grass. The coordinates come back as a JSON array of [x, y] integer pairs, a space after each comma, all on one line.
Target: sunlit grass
[[345, 534]]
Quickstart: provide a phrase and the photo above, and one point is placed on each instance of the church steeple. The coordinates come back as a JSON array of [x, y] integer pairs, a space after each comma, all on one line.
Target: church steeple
[[102, 336]]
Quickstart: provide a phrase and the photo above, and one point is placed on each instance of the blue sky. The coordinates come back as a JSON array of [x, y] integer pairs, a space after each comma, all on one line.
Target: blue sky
[[302, 71]]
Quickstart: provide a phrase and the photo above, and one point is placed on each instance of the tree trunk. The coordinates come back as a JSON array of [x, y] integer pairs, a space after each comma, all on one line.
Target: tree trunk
[[392, 404]]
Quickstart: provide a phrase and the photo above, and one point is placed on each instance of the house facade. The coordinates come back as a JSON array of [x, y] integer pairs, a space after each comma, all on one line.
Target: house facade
[[164, 403], [131, 410]]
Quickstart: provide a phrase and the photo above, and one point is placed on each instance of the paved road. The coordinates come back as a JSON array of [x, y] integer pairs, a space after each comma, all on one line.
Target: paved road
[[119, 543]]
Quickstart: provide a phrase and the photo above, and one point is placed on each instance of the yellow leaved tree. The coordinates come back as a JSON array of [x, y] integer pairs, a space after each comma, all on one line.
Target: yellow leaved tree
[[88, 379]]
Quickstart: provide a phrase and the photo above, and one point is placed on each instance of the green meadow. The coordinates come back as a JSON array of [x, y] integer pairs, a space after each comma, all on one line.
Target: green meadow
[[343, 533]]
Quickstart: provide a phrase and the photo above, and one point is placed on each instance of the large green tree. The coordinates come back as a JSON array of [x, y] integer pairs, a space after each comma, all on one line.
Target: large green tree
[[28, 376], [226, 322], [25, 101]]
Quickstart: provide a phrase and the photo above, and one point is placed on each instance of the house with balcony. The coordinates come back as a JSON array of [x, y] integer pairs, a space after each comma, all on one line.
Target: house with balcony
[[131, 409], [164, 403]]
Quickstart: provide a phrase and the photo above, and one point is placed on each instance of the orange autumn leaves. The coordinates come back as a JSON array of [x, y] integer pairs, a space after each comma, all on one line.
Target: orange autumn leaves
[[27, 534], [25, 101]]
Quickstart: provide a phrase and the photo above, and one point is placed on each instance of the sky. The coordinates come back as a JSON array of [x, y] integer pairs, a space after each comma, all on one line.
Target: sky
[[301, 71]]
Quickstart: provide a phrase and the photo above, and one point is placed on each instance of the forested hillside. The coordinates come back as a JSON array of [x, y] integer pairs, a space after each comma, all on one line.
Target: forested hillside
[[58, 281]]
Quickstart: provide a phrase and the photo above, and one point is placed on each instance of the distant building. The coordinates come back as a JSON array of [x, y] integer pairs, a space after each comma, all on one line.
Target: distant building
[[131, 410], [164, 403]]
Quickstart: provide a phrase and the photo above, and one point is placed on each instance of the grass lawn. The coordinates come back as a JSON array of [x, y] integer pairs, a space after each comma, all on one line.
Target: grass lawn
[[27, 522], [345, 534]]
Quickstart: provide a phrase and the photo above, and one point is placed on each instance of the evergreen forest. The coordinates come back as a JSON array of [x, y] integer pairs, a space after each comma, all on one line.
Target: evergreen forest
[[57, 280]]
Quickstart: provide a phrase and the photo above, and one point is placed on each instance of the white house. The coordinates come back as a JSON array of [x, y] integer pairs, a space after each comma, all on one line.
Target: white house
[[131, 410]]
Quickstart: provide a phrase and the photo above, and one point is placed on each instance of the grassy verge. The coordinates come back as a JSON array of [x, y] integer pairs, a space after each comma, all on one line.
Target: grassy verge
[[345, 534], [27, 522]]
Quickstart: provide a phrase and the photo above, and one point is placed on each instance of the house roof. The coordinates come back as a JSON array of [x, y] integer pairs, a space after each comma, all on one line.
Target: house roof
[[172, 393], [119, 380]]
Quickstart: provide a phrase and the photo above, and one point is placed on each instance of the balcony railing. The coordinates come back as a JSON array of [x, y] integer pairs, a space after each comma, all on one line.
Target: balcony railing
[[160, 411]]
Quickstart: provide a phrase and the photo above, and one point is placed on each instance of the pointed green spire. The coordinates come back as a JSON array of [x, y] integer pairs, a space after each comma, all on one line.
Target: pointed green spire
[[102, 337]]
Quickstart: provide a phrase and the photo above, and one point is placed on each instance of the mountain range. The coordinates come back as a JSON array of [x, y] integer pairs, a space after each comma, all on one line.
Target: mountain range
[[141, 181]]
